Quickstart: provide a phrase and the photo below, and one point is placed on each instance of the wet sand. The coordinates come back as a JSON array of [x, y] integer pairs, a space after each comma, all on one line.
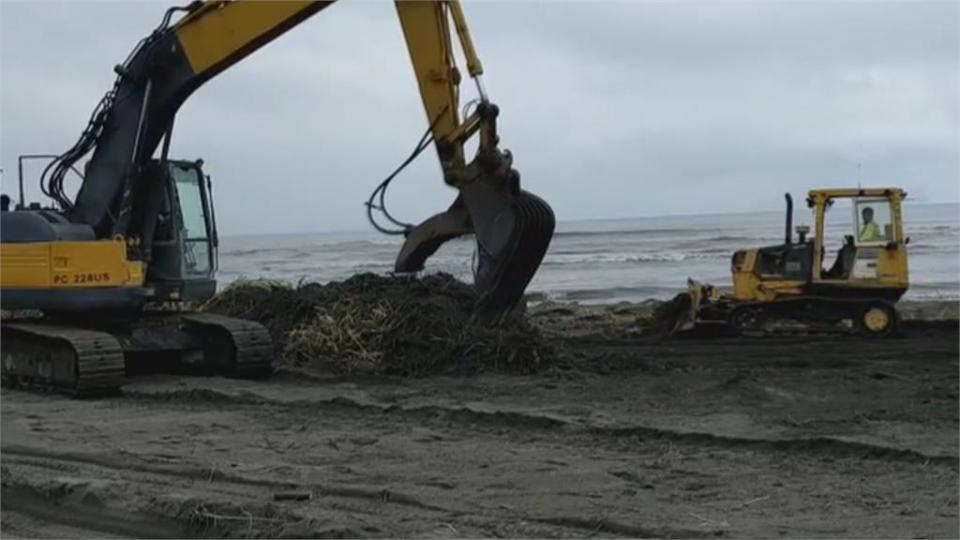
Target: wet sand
[[739, 437]]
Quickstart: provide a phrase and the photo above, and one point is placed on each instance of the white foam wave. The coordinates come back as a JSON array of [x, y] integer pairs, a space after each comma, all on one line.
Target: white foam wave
[[614, 258]]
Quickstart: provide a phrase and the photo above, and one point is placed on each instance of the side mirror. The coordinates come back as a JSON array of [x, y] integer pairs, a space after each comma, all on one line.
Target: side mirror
[[906, 240]]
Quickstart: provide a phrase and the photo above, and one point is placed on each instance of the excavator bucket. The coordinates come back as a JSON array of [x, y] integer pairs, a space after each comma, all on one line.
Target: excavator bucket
[[513, 229]]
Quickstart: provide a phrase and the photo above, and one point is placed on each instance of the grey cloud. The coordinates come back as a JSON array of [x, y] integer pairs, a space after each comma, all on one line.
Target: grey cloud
[[611, 108]]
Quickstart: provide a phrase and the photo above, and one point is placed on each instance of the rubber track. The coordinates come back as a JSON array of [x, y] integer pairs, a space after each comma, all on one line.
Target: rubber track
[[254, 352], [98, 357]]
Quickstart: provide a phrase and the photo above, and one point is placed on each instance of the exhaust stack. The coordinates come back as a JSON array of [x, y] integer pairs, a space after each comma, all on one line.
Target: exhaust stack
[[788, 238]]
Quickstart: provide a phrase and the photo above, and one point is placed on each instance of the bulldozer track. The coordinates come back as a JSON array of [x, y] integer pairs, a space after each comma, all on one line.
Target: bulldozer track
[[806, 315], [72, 361]]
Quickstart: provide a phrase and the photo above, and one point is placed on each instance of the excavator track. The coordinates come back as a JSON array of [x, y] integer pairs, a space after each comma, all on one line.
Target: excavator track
[[235, 347], [72, 361]]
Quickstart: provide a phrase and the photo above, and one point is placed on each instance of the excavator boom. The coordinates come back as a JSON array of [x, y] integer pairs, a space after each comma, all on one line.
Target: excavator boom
[[512, 227], [157, 77]]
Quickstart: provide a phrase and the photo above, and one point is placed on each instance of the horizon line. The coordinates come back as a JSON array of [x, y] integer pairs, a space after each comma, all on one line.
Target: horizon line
[[581, 220]]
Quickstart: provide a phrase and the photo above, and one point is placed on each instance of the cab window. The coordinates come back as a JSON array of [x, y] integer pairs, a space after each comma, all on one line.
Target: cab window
[[196, 251]]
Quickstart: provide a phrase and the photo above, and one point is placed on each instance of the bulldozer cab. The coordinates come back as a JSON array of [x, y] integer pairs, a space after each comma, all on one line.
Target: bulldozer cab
[[859, 240]]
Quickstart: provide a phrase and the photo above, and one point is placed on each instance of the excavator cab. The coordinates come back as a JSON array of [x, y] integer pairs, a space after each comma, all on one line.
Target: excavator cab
[[168, 254], [182, 252]]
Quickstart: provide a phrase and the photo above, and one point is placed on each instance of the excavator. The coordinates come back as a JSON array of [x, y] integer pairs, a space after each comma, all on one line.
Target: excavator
[[109, 275]]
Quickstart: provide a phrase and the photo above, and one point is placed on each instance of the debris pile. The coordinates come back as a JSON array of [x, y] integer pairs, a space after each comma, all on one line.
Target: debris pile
[[397, 325]]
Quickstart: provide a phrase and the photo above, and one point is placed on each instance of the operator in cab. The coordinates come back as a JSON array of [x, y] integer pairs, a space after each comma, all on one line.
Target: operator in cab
[[870, 232]]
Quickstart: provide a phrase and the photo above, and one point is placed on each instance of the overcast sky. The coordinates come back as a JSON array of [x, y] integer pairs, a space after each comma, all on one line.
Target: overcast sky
[[612, 109]]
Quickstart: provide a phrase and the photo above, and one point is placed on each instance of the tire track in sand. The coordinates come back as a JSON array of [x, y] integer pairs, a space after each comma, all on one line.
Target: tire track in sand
[[230, 519], [547, 423]]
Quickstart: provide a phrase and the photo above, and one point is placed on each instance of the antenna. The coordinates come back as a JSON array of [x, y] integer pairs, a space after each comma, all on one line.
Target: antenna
[[859, 166]]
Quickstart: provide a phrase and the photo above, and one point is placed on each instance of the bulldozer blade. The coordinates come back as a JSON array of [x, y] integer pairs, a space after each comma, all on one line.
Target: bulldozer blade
[[512, 230], [682, 313], [687, 317]]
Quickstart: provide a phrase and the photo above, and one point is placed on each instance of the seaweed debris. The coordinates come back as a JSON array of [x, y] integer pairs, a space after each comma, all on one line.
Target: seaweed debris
[[394, 325]]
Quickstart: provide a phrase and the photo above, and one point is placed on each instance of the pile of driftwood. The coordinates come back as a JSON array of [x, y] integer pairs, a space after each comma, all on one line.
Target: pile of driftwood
[[398, 325]]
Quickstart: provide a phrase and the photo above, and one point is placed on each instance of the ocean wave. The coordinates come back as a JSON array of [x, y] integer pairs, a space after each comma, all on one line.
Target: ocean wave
[[290, 252], [684, 239], [926, 291], [748, 240], [935, 285], [659, 257], [309, 249], [714, 251], [359, 245], [623, 232], [939, 249], [612, 293], [933, 228]]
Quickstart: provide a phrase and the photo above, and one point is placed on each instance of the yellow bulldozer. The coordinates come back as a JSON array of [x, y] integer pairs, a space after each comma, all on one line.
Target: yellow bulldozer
[[799, 285]]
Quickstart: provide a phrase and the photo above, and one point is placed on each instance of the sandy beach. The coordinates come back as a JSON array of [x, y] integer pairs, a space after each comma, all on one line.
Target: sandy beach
[[738, 437]]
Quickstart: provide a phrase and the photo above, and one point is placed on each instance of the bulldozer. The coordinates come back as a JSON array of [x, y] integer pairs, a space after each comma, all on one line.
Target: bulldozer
[[90, 284], [790, 287]]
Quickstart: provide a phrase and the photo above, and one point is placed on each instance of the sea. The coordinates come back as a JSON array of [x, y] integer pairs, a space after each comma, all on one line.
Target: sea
[[605, 260]]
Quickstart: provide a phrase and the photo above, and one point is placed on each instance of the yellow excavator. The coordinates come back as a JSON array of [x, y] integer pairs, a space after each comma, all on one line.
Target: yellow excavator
[[789, 287], [110, 269]]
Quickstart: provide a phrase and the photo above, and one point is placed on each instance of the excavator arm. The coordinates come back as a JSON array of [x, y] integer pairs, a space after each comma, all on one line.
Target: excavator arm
[[512, 227]]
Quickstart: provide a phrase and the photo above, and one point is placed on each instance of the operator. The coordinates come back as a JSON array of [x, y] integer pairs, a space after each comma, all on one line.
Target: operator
[[4, 203], [870, 231]]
